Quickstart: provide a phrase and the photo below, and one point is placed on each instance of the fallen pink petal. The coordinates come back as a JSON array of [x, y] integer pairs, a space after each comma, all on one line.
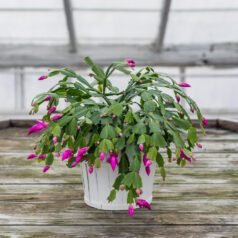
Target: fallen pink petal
[[131, 211]]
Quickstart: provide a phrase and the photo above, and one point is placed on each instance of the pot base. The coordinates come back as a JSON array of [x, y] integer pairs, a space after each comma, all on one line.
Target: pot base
[[98, 185], [111, 206]]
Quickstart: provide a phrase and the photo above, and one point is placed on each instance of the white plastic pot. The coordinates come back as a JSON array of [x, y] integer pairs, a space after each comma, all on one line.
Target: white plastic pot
[[98, 185]]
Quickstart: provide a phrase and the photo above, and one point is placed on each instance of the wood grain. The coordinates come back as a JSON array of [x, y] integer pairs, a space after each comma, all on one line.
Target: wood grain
[[199, 200]]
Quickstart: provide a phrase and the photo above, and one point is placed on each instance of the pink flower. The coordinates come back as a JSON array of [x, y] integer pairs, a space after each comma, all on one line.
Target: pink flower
[[54, 139], [144, 159], [113, 161], [177, 98], [51, 110], [102, 156], [183, 155], [41, 156], [82, 151], [47, 98], [67, 154], [39, 126], [131, 63], [184, 85], [74, 164], [56, 117], [31, 156], [57, 154], [199, 145], [43, 77], [204, 121], [45, 168], [147, 170], [141, 147], [79, 158], [90, 170], [131, 211], [148, 163], [138, 191], [143, 203]]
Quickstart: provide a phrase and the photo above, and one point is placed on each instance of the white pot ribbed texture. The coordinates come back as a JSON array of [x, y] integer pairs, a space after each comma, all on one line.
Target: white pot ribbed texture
[[98, 185]]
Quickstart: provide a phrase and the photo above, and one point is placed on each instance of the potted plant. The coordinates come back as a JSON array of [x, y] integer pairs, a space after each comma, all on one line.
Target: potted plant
[[117, 145]]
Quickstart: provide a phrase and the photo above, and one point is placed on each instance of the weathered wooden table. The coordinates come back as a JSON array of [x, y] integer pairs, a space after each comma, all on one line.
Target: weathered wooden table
[[200, 200]]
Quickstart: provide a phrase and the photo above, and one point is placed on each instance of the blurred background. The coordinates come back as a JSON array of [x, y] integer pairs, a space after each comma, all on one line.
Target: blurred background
[[193, 41]]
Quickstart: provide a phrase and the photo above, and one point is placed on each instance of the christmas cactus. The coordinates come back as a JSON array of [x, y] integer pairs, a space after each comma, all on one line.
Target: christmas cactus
[[101, 125]]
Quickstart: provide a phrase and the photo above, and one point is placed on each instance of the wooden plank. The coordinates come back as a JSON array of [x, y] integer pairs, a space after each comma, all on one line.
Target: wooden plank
[[168, 231], [4, 123], [228, 124], [221, 55]]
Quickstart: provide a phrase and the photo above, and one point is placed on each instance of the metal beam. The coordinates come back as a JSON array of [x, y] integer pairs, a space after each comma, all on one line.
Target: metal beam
[[70, 25], [219, 55], [163, 24]]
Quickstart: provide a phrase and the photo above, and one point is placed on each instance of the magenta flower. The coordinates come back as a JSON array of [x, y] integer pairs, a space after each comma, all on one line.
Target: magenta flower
[[102, 156], [47, 98], [113, 161], [31, 156], [191, 109], [45, 168], [79, 158], [143, 203], [43, 77], [54, 139], [74, 164], [90, 170], [199, 145], [147, 170], [184, 85], [82, 151], [204, 121], [177, 98], [39, 126], [141, 147], [131, 63], [131, 211], [51, 110], [41, 156], [144, 159], [183, 155], [56, 117], [147, 164], [67, 154]]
